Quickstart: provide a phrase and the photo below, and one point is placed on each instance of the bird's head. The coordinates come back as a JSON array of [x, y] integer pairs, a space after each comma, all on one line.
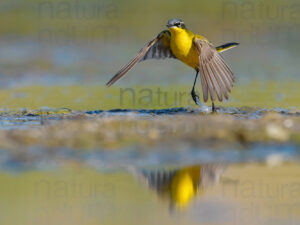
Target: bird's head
[[175, 23]]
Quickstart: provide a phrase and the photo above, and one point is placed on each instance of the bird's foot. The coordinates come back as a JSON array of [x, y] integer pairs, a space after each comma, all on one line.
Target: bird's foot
[[197, 101], [213, 108]]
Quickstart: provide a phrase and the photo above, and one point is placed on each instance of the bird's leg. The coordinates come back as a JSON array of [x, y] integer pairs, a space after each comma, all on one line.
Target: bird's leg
[[213, 108], [196, 98], [193, 93]]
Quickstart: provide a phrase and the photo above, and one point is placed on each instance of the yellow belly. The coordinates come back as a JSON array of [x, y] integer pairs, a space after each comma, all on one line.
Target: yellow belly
[[182, 46]]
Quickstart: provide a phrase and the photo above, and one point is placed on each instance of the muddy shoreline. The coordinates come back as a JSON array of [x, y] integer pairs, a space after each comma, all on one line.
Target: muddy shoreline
[[116, 129]]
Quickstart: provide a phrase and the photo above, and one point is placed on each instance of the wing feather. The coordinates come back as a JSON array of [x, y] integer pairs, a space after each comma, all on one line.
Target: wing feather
[[204, 85], [209, 82], [218, 84], [225, 80], [214, 72], [158, 48]]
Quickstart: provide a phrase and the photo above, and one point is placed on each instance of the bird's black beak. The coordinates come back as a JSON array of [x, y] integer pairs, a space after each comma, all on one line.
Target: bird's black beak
[[169, 25]]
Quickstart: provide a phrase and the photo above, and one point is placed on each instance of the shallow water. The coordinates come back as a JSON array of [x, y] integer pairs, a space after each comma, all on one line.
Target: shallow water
[[209, 193], [126, 166]]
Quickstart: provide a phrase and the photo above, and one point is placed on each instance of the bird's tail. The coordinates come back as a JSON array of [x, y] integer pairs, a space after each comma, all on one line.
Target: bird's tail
[[225, 47]]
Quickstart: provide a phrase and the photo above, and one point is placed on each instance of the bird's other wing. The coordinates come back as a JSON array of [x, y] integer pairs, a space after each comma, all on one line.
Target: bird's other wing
[[158, 48], [161, 49], [216, 76], [158, 180]]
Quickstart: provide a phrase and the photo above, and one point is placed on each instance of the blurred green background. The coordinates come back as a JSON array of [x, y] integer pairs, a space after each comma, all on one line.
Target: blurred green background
[[60, 53]]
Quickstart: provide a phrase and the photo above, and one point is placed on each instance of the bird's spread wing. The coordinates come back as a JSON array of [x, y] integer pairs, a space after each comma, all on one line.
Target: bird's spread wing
[[216, 77], [158, 48], [161, 49]]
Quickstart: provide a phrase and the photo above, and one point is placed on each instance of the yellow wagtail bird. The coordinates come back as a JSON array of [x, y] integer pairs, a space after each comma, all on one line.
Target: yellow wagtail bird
[[195, 51]]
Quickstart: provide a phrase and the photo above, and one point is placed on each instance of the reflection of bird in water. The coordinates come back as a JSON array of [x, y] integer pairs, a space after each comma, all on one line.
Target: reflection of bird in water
[[180, 186]]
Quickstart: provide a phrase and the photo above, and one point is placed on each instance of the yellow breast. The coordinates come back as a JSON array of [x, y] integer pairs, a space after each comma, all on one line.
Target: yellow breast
[[182, 46]]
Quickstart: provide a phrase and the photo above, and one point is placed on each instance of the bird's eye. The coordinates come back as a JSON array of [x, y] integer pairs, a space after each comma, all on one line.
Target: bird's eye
[[177, 24]]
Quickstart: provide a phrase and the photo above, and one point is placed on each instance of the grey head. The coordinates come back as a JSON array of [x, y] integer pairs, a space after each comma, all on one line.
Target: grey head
[[175, 22]]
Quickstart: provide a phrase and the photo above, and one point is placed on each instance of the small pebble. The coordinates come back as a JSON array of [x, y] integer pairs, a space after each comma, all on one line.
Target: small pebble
[[277, 133]]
